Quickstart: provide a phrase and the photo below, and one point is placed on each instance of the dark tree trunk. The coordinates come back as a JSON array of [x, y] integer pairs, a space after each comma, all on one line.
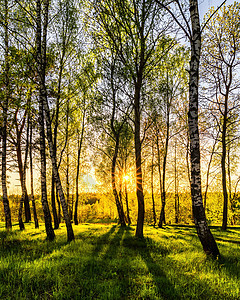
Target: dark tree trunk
[[31, 175], [138, 158], [204, 233], [80, 141], [162, 218], [7, 212], [77, 183], [21, 170], [223, 165], [20, 220], [121, 214], [127, 205], [152, 189], [54, 210], [59, 207], [176, 187], [159, 162], [208, 174], [67, 153], [23, 182]]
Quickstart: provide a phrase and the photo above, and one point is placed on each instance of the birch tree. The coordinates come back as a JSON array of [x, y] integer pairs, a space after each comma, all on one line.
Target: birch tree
[[193, 31]]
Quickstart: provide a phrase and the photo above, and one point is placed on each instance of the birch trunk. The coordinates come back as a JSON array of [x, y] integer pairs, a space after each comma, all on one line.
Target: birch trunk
[[204, 233]]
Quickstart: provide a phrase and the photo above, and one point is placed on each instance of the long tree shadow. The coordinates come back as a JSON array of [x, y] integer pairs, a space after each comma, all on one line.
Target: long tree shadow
[[104, 268], [164, 287]]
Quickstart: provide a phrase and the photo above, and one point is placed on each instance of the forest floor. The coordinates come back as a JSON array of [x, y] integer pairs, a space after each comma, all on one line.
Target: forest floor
[[108, 262]]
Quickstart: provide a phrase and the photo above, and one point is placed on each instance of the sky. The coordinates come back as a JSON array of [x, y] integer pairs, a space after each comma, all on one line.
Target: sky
[[204, 5]]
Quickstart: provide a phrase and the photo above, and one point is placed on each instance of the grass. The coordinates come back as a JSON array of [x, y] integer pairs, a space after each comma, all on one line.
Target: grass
[[108, 262]]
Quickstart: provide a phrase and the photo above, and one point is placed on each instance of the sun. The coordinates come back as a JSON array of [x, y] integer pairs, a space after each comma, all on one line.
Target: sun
[[126, 177]]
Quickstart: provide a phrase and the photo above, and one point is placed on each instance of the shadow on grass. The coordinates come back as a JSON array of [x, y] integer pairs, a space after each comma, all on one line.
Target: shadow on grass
[[105, 272], [164, 287], [25, 249], [114, 265]]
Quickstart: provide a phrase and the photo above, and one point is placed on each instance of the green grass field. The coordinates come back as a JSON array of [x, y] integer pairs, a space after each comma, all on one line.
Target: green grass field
[[108, 262]]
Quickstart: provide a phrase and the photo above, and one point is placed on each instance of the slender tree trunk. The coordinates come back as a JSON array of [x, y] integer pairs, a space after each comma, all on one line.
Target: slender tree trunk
[[80, 142], [162, 218], [67, 183], [176, 186], [204, 233], [152, 188], [127, 205], [41, 79], [21, 172], [159, 163], [77, 179], [115, 193], [20, 220], [229, 174], [67, 153], [138, 159], [7, 212], [208, 174], [59, 207], [23, 183], [54, 210], [31, 176], [223, 166]]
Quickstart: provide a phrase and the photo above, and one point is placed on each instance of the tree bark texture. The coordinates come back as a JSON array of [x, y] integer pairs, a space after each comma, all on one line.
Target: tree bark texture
[[204, 233]]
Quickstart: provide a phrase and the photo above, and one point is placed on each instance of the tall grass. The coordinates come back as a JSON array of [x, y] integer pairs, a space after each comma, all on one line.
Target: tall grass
[[108, 262]]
